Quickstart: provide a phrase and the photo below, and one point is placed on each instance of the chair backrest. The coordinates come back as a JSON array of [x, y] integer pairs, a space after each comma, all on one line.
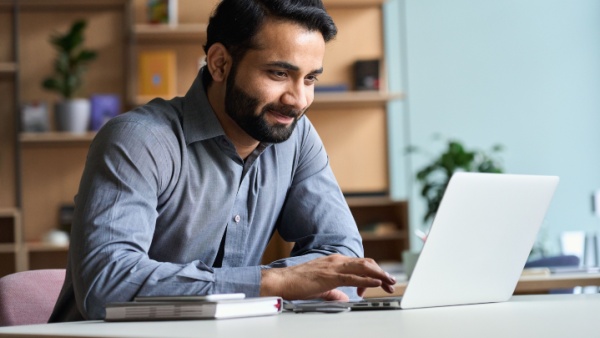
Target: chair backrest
[[560, 261], [28, 297]]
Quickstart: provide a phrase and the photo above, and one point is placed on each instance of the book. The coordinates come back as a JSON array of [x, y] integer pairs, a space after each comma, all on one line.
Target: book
[[104, 108], [335, 88], [162, 12], [191, 298], [189, 309], [157, 73]]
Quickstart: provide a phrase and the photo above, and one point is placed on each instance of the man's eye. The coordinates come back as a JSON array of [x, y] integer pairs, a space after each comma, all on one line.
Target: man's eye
[[312, 78], [278, 73]]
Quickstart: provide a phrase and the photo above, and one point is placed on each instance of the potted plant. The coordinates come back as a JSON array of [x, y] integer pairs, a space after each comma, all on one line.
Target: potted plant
[[435, 176], [72, 114]]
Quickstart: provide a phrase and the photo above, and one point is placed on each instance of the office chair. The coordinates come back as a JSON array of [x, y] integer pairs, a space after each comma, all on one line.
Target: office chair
[[559, 261], [28, 297]]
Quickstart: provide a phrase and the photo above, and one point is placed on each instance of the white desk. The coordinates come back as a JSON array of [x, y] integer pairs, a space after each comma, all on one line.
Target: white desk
[[528, 284], [546, 316]]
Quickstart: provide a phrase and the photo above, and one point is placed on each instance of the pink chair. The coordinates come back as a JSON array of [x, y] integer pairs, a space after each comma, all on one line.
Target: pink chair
[[28, 297]]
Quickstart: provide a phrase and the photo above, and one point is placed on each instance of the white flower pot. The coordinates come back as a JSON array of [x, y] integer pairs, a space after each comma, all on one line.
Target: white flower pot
[[73, 115]]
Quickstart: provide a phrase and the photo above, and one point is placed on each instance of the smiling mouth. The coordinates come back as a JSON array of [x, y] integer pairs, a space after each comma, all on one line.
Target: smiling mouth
[[281, 118]]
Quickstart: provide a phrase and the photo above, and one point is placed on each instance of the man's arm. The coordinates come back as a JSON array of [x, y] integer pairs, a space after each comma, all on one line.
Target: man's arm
[[128, 168], [317, 218], [320, 277]]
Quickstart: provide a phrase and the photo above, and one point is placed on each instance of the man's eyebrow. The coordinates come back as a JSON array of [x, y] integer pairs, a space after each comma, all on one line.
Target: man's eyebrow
[[317, 71], [289, 66]]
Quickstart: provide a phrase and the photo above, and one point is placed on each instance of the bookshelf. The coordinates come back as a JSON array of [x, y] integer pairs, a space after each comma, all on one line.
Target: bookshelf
[[360, 24], [39, 172], [10, 241], [361, 114], [383, 225], [51, 163], [10, 214]]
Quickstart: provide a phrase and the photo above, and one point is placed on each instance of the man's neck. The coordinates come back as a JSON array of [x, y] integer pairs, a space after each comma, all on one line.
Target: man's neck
[[244, 143]]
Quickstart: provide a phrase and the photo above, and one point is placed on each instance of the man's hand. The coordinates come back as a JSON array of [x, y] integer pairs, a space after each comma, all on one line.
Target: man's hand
[[320, 277]]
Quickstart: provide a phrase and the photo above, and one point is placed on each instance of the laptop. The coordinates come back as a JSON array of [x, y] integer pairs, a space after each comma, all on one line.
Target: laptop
[[478, 243]]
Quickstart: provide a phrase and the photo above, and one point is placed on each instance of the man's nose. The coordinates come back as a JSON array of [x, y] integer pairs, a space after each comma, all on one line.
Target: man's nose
[[296, 96]]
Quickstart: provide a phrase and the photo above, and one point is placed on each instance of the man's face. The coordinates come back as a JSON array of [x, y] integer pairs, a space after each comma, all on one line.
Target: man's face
[[273, 86]]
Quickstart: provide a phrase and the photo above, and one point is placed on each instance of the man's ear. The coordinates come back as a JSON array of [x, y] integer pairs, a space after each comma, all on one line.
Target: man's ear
[[218, 62]]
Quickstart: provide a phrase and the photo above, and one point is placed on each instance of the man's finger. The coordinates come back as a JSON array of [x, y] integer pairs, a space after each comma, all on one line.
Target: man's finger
[[334, 295], [358, 281], [364, 267]]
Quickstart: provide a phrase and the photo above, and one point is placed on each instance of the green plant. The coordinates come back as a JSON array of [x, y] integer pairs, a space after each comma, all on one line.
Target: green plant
[[71, 61], [435, 176]]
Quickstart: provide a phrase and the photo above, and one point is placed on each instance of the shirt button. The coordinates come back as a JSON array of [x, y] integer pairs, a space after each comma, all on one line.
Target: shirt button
[[237, 218]]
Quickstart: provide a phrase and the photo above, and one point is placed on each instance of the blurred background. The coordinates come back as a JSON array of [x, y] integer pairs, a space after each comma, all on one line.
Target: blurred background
[[520, 75], [523, 74]]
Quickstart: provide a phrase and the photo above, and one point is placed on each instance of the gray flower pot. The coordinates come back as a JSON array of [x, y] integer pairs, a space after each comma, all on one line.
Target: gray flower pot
[[73, 115]]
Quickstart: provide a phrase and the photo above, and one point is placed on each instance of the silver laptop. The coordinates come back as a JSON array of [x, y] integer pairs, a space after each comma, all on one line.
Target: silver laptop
[[478, 243]]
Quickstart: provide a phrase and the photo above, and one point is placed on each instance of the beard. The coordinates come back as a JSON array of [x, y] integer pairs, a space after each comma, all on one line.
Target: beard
[[242, 108]]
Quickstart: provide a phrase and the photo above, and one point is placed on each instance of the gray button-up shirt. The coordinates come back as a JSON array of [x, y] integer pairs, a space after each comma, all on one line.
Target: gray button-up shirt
[[163, 186]]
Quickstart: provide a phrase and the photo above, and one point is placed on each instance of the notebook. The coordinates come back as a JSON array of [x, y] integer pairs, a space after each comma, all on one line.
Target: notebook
[[478, 243], [192, 307]]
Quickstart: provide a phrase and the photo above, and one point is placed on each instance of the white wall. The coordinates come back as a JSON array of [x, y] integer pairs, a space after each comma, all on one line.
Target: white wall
[[522, 73]]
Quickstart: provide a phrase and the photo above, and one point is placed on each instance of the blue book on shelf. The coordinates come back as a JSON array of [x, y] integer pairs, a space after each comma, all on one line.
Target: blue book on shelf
[[104, 107], [331, 88]]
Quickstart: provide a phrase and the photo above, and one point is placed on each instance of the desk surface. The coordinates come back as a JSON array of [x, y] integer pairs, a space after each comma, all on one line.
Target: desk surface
[[527, 284], [547, 316]]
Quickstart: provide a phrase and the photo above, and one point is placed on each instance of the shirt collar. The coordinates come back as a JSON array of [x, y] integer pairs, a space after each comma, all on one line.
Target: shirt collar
[[199, 119]]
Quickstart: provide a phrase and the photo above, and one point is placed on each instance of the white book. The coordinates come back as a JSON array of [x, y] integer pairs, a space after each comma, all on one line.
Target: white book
[[186, 309], [173, 13]]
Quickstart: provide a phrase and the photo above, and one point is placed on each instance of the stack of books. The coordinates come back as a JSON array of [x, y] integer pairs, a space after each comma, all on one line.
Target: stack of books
[[193, 307]]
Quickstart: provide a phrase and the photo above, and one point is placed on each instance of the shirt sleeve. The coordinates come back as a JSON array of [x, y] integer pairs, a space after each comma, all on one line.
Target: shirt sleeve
[[315, 215], [128, 167]]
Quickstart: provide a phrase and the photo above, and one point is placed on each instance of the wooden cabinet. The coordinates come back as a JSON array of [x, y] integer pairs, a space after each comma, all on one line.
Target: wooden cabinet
[[383, 225], [10, 216], [52, 164], [9, 70], [352, 124], [186, 40], [11, 258]]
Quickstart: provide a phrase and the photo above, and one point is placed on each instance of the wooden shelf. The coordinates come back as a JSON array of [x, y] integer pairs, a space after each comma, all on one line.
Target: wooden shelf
[[370, 236], [328, 100], [9, 212], [154, 32], [10, 240], [383, 226], [44, 247], [70, 4], [368, 201], [352, 3], [55, 137], [8, 248], [354, 99], [6, 4], [8, 67]]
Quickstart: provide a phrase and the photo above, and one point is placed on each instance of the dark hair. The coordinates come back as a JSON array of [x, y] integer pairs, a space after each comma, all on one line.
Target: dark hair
[[235, 23]]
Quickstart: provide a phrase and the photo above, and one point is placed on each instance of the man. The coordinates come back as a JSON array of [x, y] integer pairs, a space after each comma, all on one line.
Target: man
[[181, 197]]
